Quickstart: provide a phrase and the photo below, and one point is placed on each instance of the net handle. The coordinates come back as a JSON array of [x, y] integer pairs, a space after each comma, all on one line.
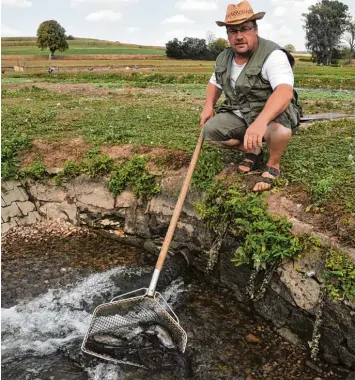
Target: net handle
[[174, 219]]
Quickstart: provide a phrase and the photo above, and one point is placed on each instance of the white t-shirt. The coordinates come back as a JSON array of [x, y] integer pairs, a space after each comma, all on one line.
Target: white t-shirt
[[276, 70]]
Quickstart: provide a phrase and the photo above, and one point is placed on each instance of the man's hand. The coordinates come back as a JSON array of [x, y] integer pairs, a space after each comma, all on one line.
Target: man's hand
[[206, 114], [254, 135]]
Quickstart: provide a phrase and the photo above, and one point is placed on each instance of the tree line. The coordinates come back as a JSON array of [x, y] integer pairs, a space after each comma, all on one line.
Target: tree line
[[195, 48]]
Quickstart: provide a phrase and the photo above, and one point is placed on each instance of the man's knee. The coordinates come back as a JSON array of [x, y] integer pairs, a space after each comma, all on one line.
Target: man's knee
[[279, 130]]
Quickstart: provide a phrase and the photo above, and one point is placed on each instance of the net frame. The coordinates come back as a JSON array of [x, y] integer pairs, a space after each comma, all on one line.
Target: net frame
[[156, 305]]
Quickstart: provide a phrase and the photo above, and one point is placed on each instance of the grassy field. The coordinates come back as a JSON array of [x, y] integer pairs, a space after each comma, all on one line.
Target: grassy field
[[13, 46], [157, 106]]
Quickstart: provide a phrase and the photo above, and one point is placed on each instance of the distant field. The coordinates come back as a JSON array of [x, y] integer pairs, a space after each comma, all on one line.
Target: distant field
[[83, 50], [18, 46]]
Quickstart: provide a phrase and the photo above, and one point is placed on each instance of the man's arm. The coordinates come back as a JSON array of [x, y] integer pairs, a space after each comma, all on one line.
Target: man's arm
[[277, 70], [276, 104], [213, 94]]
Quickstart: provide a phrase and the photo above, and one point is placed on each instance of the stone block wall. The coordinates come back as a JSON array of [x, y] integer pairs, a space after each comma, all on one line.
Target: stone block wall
[[16, 207]]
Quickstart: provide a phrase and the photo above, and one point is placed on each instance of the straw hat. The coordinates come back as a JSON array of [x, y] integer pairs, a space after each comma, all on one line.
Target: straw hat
[[239, 13]]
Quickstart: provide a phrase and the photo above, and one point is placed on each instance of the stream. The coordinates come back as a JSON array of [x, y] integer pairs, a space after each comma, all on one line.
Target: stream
[[51, 287]]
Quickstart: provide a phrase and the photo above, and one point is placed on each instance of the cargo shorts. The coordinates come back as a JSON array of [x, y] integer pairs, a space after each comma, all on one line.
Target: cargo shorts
[[225, 126]]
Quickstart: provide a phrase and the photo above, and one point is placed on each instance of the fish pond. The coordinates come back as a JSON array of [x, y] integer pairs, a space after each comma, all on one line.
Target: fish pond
[[52, 285]]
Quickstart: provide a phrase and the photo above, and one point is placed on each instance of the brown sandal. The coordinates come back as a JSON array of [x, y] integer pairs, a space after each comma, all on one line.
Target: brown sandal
[[270, 181], [253, 163]]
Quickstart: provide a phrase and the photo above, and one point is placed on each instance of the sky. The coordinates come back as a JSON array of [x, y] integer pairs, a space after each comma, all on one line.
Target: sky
[[153, 22]]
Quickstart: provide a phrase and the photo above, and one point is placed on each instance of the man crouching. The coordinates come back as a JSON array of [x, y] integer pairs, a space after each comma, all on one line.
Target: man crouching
[[261, 105]]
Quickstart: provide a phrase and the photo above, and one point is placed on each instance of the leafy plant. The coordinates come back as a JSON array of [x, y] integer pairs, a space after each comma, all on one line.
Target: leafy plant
[[134, 174], [96, 165], [339, 276], [266, 240], [321, 189], [71, 169]]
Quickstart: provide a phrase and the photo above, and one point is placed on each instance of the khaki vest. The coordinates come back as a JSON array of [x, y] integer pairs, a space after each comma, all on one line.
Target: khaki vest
[[251, 90]]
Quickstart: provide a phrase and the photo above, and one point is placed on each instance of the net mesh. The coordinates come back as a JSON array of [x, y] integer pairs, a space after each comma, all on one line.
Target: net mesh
[[125, 319]]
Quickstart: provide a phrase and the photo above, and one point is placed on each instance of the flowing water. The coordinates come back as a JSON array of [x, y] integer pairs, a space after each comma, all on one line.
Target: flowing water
[[42, 332]]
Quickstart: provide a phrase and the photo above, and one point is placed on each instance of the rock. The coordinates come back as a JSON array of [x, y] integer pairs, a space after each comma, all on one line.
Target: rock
[[9, 212], [28, 220], [251, 338], [47, 193], [301, 323], [26, 207], [9, 185], [14, 195], [5, 227], [125, 199], [346, 358], [313, 366], [93, 193], [64, 210], [274, 308], [304, 290], [290, 336], [299, 227]]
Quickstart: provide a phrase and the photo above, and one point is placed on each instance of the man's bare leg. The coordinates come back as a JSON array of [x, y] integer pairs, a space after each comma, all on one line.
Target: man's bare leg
[[238, 145], [277, 137]]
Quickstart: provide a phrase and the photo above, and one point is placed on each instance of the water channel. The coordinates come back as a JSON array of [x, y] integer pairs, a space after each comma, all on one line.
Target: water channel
[[51, 286]]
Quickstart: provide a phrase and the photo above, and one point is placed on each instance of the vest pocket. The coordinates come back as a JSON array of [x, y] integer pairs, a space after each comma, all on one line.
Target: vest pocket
[[218, 71]]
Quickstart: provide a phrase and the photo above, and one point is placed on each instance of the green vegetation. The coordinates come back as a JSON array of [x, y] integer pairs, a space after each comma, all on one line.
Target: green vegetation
[[86, 50], [134, 175], [305, 76], [339, 276], [265, 240], [208, 166], [322, 158], [78, 46], [11, 146], [162, 109], [94, 165], [36, 171]]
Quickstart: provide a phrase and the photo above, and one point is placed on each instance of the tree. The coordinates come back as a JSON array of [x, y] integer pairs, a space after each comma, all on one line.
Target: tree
[[174, 50], [51, 35], [349, 37], [324, 24], [189, 48], [290, 48], [216, 47], [210, 37]]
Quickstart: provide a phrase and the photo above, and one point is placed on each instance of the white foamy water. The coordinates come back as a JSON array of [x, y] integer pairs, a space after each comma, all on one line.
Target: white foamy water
[[51, 321], [105, 372], [57, 317]]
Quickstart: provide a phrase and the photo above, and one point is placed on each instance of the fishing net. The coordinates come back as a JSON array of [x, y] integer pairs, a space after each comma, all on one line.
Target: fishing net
[[129, 330]]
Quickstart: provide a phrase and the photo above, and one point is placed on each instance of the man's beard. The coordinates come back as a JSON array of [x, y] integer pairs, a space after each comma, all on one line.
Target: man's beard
[[245, 54]]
